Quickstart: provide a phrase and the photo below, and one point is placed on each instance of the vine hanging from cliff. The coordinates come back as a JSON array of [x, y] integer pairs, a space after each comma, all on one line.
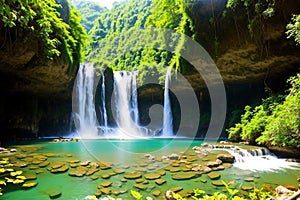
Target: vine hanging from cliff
[[41, 20], [258, 11]]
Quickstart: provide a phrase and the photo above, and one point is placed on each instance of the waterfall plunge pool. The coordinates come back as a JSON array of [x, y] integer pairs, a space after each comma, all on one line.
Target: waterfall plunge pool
[[115, 158]]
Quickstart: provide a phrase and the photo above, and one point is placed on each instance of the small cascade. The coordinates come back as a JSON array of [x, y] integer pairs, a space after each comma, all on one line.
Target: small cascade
[[167, 130], [86, 114], [104, 112], [126, 104], [260, 159]]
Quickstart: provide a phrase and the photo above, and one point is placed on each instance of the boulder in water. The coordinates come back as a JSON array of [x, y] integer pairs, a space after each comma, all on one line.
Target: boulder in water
[[282, 190], [226, 158], [174, 156], [169, 195]]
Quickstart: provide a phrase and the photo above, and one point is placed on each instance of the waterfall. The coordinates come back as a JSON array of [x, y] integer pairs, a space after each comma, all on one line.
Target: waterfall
[[126, 104], [260, 159], [125, 108], [86, 114], [104, 113], [167, 115]]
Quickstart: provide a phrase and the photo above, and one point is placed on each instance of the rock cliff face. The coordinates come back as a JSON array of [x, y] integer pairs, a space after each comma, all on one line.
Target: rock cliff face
[[35, 91]]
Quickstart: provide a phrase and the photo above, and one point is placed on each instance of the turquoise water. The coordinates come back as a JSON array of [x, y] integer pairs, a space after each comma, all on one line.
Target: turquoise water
[[128, 155]]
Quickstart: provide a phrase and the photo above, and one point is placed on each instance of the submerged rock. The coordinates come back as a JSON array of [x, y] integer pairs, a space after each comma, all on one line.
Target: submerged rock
[[132, 175], [98, 193], [30, 177], [214, 164], [214, 175], [106, 184], [184, 175], [29, 184], [55, 194], [156, 193], [249, 179], [176, 189], [247, 187], [217, 183], [160, 181], [140, 186], [105, 191], [186, 193]]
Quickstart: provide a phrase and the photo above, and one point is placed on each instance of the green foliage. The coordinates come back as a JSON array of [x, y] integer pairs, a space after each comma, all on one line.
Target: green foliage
[[283, 128], [41, 19], [200, 195], [257, 11], [260, 194], [294, 28], [275, 122], [115, 32], [136, 194], [89, 11]]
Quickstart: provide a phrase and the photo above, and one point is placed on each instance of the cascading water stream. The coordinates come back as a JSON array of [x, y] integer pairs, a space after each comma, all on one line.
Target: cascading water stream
[[167, 130], [126, 104], [86, 114], [104, 112], [257, 159]]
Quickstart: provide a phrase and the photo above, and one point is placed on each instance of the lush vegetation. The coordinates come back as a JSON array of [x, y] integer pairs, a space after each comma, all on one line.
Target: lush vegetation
[[115, 32], [89, 12], [275, 122], [42, 20], [230, 194], [294, 28]]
